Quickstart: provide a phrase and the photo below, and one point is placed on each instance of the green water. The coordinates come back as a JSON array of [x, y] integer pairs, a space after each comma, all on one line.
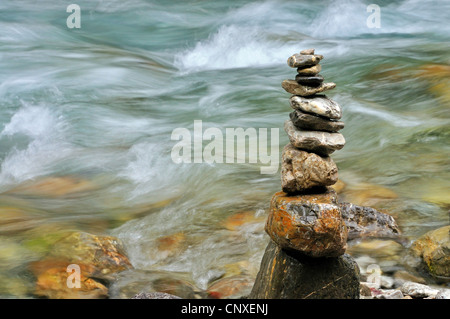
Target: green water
[[87, 114]]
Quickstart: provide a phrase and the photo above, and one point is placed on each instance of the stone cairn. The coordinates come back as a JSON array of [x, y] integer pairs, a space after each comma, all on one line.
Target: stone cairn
[[306, 255]]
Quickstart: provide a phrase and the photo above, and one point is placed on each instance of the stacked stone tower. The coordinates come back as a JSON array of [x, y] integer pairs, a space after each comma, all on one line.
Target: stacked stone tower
[[306, 255]]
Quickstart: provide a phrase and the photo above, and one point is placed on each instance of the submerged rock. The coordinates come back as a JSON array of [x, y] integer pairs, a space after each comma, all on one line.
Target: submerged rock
[[131, 282], [302, 170], [434, 250], [52, 276], [54, 186], [322, 143], [364, 221], [289, 275], [98, 258], [230, 287], [309, 223], [105, 254], [291, 86]]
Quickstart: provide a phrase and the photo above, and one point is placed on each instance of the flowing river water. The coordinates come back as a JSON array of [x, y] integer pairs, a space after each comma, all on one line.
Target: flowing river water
[[87, 115]]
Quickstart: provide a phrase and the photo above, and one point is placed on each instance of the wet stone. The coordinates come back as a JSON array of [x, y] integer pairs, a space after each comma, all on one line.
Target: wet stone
[[318, 105], [290, 275], [309, 70], [308, 223], [311, 122], [302, 170], [314, 81], [299, 60], [291, 86], [322, 143]]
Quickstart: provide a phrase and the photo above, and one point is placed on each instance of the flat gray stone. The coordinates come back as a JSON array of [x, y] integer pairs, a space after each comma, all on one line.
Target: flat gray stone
[[319, 105], [321, 143], [291, 86], [309, 122]]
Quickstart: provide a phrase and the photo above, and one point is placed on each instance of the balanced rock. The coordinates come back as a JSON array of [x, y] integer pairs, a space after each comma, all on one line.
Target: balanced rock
[[291, 86], [309, 70], [309, 223], [318, 104], [312, 80], [309, 122], [307, 51], [290, 275], [322, 143], [302, 170], [299, 60]]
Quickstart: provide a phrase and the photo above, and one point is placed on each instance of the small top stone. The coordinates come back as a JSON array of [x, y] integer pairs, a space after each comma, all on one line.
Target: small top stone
[[307, 52]]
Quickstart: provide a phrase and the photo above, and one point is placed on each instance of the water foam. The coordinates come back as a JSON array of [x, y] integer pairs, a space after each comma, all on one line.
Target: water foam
[[234, 46], [44, 129]]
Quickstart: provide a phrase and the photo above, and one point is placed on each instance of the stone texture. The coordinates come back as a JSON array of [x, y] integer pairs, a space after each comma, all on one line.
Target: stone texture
[[416, 290], [309, 70], [51, 281], [309, 122], [155, 295], [318, 104], [307, 51], [100, 258], [322, 143], [308, 223], [291, 86], [299, 60], [434, 250], [364, 221], [302, 170], [136, 281], [105, 254], [231, 287], [289, 275], [443, 294], [388, 294], [313, 80]]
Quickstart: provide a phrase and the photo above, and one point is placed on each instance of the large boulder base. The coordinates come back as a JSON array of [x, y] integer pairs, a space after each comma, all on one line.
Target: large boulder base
[[289, 275], [308, 223]]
